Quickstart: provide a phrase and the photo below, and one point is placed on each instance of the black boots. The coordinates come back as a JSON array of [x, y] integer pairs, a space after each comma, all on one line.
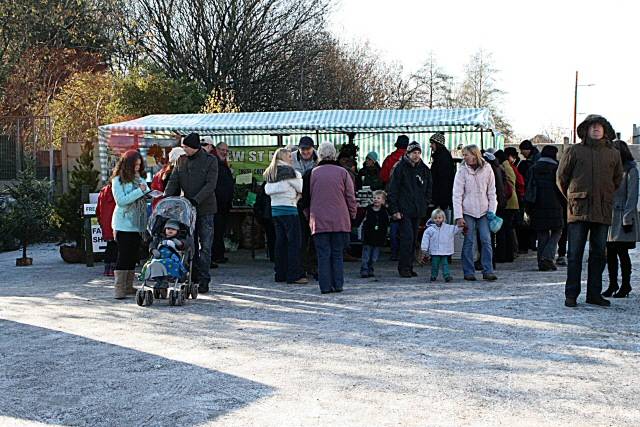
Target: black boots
[[613, 287]]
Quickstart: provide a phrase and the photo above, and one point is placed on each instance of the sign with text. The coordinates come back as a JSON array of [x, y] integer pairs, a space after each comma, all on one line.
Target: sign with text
[[99, 245], [250, 160]]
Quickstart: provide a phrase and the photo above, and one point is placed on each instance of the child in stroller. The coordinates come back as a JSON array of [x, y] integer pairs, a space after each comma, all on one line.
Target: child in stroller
[[167, 272]]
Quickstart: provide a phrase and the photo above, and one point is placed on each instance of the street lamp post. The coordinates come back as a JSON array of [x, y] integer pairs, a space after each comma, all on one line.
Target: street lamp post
[[575, 107]]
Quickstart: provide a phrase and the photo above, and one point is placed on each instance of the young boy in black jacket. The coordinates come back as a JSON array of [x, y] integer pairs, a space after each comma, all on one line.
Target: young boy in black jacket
[[374, 232]]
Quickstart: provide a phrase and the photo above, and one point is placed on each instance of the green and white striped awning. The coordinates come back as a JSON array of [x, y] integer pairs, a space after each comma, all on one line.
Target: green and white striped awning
[[300, 122]]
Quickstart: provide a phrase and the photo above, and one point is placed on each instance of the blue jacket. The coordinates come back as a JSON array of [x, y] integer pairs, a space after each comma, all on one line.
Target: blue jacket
[[130, 213]]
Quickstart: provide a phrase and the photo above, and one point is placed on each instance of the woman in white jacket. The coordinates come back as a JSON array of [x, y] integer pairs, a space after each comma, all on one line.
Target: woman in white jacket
[[284, 186], [474, 196]]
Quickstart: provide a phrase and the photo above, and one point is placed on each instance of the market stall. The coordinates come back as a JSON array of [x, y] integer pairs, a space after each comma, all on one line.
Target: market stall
[[253, 137]]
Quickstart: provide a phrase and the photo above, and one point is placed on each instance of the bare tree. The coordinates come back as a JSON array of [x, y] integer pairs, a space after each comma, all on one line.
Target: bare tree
[[434, 86]]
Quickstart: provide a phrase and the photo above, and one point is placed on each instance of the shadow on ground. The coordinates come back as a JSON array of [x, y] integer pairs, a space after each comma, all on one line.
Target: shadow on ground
[[71, 380]]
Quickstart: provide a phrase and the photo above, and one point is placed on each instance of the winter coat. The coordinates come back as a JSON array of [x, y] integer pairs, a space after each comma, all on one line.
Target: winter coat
[[130, 213], [333, 200], [500, 178], [410, 189], [520, 186], [625, 210], [512, 201], [546, 212], [588, 175], [197, 177], [104, 211], [439, 241], [370, 177], [286, 189], [443, 171], [375, 227], [389, 163], [159, 183], [474, 192], [526, 164], [224, 187], [302, 165]]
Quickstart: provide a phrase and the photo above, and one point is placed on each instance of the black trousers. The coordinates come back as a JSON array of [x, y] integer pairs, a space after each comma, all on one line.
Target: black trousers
[[619, 250], [111, 252], [407, 246], [220, 221], [504, 237], [128, 249]]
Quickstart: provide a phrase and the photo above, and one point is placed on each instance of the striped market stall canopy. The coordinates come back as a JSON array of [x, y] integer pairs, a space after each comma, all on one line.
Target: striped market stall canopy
[[372, 130]]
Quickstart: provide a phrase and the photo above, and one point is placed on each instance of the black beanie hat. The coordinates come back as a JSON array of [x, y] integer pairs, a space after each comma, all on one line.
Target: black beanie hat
[[500, 155], [549, 151], [413, 147], [305, 142], [192, 140], [402, 141], [511, 151], [526, 145]]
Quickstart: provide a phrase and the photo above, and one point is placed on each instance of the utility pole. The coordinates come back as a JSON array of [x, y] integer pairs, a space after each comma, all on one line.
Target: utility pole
[[575, 108]]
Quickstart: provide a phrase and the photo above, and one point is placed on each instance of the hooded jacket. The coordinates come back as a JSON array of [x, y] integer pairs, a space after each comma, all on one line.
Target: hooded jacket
[[474, 192], [546, 212], [286, 189], [439, 240], [410, 189], [588, 175], [443, 171], [389, 163], [197, 177], [625, 211]]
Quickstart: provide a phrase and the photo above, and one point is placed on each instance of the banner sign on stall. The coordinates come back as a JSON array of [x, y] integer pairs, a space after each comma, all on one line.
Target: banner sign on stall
[[250, 160]]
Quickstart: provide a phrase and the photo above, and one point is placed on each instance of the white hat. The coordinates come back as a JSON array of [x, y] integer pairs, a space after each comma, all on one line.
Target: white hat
[[176, 153], [206, 140]]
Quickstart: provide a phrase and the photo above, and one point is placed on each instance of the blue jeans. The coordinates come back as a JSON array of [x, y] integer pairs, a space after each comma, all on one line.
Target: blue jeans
[[436, 262], [287, 248], [548, 243], [370, 255], [577, 238], [203, 240], [329, 248], [486, 254]]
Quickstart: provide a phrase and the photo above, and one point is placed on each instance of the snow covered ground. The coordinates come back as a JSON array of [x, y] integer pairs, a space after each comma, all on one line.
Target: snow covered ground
[[402, 352]]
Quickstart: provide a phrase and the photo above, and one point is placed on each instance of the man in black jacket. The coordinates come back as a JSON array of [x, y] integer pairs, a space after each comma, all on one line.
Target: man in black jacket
[[196, 175], [443, 171], [224, 199], [409, 197]]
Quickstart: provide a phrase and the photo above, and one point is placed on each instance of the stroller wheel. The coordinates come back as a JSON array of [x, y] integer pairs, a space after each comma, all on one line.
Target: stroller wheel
[[194, 290], [172, 297], [163, 293], [140, 297], [180, 299], [184, 290], [156, 293], [148, 298]]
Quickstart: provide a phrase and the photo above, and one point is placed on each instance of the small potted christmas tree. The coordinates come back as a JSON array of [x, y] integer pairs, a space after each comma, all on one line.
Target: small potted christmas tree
[[30, 215]]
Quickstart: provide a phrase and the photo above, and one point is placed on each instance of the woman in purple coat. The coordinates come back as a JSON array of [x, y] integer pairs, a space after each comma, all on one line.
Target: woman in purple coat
[[333, 205]]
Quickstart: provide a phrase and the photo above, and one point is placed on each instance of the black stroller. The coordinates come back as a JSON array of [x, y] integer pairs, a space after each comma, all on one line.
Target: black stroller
[[169, 276]]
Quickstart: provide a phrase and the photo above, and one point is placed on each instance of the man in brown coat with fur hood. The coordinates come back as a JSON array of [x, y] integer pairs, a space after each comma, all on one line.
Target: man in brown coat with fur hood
[[588, 175]]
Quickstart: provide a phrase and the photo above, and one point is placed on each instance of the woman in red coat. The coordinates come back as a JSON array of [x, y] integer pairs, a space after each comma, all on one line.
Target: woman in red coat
[[161, 178], [104, 212]]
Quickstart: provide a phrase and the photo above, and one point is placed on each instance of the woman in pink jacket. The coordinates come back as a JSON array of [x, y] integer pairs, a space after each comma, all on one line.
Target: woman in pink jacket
[[474, 196]]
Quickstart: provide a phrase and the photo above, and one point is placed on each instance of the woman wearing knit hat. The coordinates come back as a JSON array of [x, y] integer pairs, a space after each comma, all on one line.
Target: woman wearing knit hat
[[369, 175]]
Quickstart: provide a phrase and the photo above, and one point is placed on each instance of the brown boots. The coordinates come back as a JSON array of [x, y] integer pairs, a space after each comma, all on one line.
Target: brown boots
[[123, 283]]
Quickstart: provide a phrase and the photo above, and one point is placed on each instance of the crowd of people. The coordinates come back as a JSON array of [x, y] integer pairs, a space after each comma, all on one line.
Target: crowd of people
[[504, 203]]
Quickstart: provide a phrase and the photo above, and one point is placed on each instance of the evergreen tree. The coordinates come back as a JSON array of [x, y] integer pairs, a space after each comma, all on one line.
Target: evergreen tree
[[30, 216], [68, 207]]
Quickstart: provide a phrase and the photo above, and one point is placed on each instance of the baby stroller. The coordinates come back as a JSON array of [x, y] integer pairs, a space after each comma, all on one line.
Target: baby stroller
[[169, 277]]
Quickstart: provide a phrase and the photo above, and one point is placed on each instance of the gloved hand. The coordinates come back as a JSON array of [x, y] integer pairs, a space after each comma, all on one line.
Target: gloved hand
[[491, 215], [169, 243], [156, 253], [627, 228]]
